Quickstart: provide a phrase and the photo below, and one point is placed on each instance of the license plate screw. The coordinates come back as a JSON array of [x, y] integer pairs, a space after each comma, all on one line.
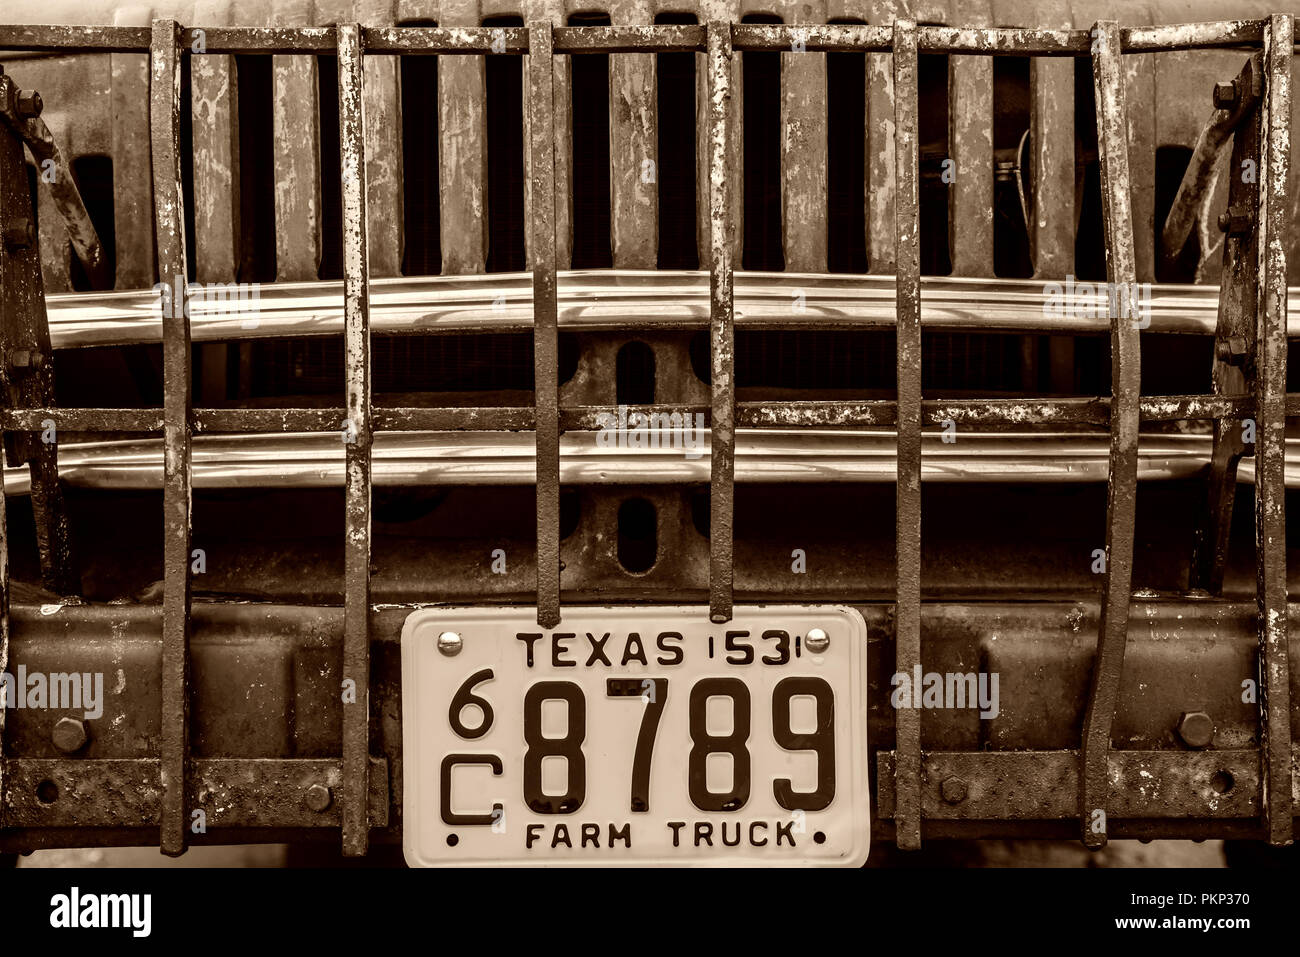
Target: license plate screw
[[817, 641], [450, 643]]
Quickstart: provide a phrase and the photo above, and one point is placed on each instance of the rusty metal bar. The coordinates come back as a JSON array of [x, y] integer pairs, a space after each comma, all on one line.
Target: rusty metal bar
[[67, 200], [1198, 178], [1236, 332], [28, 373], [907, 245], [1270, 448], [722, 335], [357, 440], [65, 39], [164, 137], [546, 389], [1074, 411], [1121, 492]]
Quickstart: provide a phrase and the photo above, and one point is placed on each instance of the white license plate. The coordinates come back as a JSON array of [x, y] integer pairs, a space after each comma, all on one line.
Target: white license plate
[[644, 735]]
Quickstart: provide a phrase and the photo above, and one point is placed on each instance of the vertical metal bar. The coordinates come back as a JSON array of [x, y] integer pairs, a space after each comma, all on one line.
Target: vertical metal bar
[[357, 438], [1053, 219], [970, 143], [1121, 493], [164, 137], [541, 64], [1270, 434], [721, 320], [907, 634]]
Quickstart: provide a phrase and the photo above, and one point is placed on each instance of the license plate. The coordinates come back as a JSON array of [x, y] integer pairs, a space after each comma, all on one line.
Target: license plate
[[639, 736]]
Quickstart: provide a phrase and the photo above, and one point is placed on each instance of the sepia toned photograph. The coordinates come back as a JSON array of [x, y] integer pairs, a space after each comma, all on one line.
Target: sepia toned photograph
[[646, 434]]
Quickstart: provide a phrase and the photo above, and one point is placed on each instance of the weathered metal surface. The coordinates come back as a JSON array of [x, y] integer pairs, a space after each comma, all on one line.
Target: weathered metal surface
[[804, 196], [28, 369], [907, 649], [880, 150], [133, 218], [545, 323], [384, 204], [633, 147], [232, 792], [1037, 785], [164, 127], [357, 440], [1200, 174], [970, 137], [1121, 498], [1053, 215], [462, 139], [1270, 448], [214, 133], [722, 344], [65, 198], [1238, 300], [297, 164]]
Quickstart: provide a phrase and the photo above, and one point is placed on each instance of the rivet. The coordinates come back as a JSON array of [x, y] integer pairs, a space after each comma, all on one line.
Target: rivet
[[318, 798], [952, 790], [816, 641], [69, 735]]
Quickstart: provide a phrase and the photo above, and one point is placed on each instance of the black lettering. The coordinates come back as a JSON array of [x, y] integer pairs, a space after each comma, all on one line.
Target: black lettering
[[632, 639], [785, 830], [676, 826], [746, 651], [557, 649], [782, 639], [529, 836], [452, 760], [591, 832], [561, 834], [736, 842], [597, 649], [529, 640], [624, 834], [703, 832], [752, 839], [673, 650]]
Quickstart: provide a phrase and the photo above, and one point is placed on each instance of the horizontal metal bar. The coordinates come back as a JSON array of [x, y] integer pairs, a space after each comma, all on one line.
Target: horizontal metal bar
[[506, 458], [232, 792], [67, 39], [811, 38], [805, 414], [1037, 785], [595, 300]]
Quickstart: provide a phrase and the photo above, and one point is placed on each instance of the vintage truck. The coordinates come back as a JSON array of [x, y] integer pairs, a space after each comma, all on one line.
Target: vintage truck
[[370, 365]]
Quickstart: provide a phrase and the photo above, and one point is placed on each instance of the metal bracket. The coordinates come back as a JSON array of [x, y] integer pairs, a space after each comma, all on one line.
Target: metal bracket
[[26, 372]]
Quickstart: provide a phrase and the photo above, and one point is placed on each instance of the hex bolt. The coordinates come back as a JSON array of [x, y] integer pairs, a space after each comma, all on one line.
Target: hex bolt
[[30, 104], [816, 641], [450, 643], [69, 735], [20, 234], [1196, 728], [318, 798], [1225, 95], [1236, 219], [952, 790]]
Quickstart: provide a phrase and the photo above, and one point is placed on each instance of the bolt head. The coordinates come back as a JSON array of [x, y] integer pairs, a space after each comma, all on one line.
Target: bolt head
[[1196, 729], [817, 641], [1225, 95], [69, 735], [952, 790], [450, 643], [318, 798], [30, 104]]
